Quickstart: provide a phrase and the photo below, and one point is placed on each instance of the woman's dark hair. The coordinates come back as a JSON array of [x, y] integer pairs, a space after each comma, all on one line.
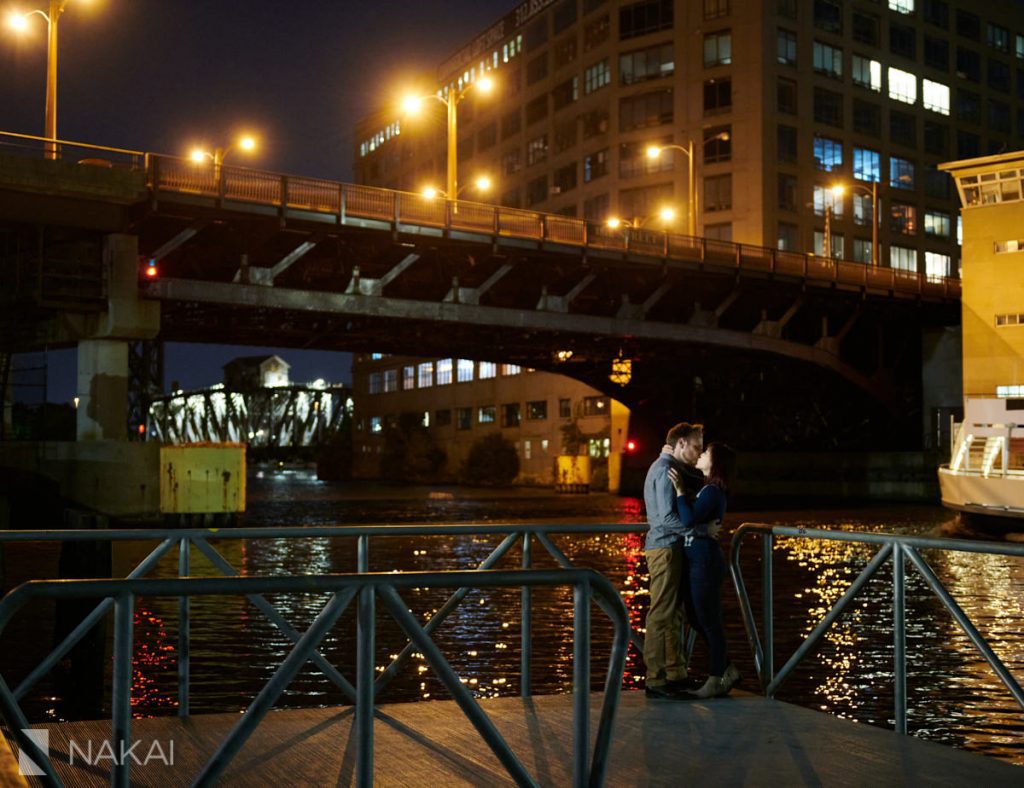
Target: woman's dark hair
[[722, 466]]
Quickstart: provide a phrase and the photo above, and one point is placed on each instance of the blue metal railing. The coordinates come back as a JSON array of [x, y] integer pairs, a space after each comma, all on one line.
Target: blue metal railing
[[896, 548], [587, 585], [200, 539]]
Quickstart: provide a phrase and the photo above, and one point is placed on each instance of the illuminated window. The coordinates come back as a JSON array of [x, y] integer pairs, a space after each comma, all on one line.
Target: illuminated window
[[408, 378], [828, 59], [902, 6], [935, 96], [828, 153], [376, 425], [786, 47], [903, 258], [487, 369], [936, 266], [596, 77], [838, 245], [901, 173], [538, 409], [487, 414], [464, 370], [718, 49], [824, 198], [861, 208], [998, 37], [938, 223], [1002, 247], [510, 369], [866, 164], [861, 250], [374, 383], [867, 73], [902, 86], [390, 380], [903, 218], [596, 406], [426, 374], [444, 371], [527, 450]]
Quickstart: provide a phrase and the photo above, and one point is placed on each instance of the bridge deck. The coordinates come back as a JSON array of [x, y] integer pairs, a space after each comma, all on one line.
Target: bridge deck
[[742, 740]]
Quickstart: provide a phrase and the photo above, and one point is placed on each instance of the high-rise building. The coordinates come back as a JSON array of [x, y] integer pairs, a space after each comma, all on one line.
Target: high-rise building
[[766, 106]]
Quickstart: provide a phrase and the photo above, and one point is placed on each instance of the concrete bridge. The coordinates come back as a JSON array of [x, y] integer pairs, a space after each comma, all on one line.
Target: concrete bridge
[[241, 256]]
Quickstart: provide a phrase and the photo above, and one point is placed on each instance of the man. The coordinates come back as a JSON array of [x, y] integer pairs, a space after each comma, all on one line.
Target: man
[[663, 647]]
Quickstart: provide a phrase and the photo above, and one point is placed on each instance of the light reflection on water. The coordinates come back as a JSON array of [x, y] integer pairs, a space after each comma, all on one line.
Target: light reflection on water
[[954, 696]]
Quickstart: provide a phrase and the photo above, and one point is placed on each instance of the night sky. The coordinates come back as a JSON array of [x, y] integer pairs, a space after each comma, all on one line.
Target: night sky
[[166, 75]]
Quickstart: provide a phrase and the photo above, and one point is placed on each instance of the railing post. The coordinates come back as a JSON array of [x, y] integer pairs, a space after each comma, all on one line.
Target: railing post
[[364, 686], [184, 623], [526, 624], [768, 608], [363, 553], [899, 637], [342, 194], [581, 683], [121, 700]]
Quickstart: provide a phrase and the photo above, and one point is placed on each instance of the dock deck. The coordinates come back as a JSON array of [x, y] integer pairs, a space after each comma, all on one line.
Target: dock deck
[[741, 740]]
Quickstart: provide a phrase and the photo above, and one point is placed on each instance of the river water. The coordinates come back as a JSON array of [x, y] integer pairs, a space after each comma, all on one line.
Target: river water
[[953, 695]]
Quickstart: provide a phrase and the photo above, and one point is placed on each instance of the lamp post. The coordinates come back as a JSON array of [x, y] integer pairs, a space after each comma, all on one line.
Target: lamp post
[[481, 184], [413, 104], [654, 151], [839, 188], [666, 215], [217, 156], [20, 22]]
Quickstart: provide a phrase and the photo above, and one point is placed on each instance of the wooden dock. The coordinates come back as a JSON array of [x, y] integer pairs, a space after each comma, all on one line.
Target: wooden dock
[[741, 740]]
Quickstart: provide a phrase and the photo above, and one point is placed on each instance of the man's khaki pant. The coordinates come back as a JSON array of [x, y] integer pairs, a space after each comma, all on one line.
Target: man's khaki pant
[[663, 646]]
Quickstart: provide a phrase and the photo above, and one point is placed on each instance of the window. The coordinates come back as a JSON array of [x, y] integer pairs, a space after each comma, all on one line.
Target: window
[[936, 138], [1006, 247], [633, 158], [936, 53], [376, 424], [408, 378], [486, 414], [537, 109], [825, 197], [967, 145], [511, 123], [464, 370], [595, 209], [651, 63], [999, 116], [828, 153], [828, 107], [936, 12], [508, 370], [488, 137], [645, 109], [537, 68], [717, 144], [1018, 46], [937, 266], [865, 28], [639, 19], [511, 162], [566, 93], [596, 406], [785, 47], [902, 41], [861, 251], [538, 409], [463, 418], [785, 96], [596, 33], [596, 77], [564, 15], [866, 164], [718, 49], [902, 86], [718, 232], [565, 51], [564, 408], [838, 251], [787, 143], [998, 75], [786, 238], [716, 8], [535, 35], [537, 190], [718, 193], [373, 383], [564, 179], [595, 122], [442, 418], [968, 25], [828, 15], [997, 37], [901, 173], [645, 200], [903, 128], [902, 6], [902, 258], [787, 192], [444, 371], [828, 60], [867, 118], [486, 370], [935, 96], [968, 64], [510, 415], [937, 223], [426, 374], [867, 73], [565, 135], [968, 106], [861, 208], [595, 165], [537, 149], [937, 183], [903, 218], [717, 95]]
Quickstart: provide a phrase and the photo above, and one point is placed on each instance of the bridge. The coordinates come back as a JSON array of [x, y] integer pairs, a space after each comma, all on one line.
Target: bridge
[[242, 256]]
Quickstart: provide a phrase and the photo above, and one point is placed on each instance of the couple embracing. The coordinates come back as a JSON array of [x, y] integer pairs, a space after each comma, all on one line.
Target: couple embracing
[[685, 493]]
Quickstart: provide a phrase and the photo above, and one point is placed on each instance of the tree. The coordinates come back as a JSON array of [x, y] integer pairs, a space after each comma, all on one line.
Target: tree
[[491, 460], [410, 453]]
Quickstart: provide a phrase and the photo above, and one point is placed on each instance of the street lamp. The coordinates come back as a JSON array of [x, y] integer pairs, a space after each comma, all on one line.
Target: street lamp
[[838, 189], [654, 151], [666, 214], [20, 22], [412, 104], [481, 184], [245, 142]]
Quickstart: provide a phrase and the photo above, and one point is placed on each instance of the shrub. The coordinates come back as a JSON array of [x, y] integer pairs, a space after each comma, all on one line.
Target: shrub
[[491, 460]]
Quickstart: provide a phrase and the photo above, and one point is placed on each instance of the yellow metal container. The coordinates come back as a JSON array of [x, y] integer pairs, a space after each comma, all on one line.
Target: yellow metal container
[[200, 478], [573, 473]]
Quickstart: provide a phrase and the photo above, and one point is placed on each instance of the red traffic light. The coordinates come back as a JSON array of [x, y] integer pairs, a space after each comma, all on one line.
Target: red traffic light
[[631, 446], [151, 271]]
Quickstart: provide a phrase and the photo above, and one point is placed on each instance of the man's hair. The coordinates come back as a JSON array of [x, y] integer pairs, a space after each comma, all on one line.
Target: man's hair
[[683, 430]]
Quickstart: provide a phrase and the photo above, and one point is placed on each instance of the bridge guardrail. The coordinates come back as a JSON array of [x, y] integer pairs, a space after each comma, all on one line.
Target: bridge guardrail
[[80, 152], [587, 585], [893, 547]]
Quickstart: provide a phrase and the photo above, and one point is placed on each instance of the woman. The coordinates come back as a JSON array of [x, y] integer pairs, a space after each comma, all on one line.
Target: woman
[[705, 564]]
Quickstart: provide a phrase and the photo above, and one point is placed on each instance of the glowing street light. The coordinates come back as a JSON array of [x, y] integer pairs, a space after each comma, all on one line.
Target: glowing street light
[[837, 191], [413, 104], [482, 184], [667, 214], [19, 22], [245, 142], [654, 151]]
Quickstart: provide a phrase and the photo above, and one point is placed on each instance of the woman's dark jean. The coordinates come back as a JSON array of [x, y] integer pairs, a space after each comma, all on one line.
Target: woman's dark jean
[[705, 570]]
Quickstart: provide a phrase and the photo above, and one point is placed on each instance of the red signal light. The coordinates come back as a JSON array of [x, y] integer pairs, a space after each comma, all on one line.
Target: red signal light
[[142, 429], [630, 446], [151, 271]]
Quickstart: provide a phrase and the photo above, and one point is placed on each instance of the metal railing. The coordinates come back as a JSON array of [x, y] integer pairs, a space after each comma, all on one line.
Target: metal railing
[[587, 585], [896, 548], [74, 152], [199, 539]]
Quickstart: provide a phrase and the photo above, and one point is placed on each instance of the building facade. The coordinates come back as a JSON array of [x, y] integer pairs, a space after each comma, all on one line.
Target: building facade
[[775, 102], [459, 401]]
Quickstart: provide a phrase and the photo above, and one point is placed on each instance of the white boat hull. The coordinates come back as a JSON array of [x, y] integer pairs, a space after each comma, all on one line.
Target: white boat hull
[[975, 493]]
